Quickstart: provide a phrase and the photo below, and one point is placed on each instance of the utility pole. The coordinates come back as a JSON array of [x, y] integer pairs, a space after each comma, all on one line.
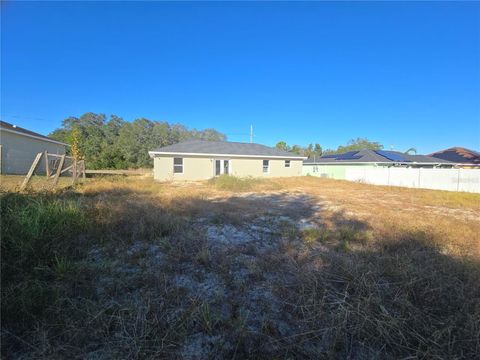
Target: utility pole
[[251, 134]]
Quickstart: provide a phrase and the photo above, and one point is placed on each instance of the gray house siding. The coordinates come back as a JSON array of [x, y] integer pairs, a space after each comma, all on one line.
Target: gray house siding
[[19, 151]]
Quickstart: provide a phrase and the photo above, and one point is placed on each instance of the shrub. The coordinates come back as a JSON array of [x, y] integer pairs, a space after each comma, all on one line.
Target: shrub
[[233, 183]]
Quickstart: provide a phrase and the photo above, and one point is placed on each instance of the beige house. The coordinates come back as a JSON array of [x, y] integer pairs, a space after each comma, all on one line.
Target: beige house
[[19, 146], [200, 160]]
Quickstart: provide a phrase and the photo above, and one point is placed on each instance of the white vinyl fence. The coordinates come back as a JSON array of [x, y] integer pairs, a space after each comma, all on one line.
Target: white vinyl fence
[[438, 179]]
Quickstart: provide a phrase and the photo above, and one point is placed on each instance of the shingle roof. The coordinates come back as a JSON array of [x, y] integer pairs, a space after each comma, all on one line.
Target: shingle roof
[[223, 148], [458, 155], [9, 127], [371, 156]]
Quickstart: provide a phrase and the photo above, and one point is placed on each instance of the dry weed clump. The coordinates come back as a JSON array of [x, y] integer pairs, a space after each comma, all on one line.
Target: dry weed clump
[[295, 268]]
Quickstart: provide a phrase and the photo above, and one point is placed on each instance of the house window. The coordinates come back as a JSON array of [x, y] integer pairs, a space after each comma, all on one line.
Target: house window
[[287, 163], [178, 165], [266, 166]]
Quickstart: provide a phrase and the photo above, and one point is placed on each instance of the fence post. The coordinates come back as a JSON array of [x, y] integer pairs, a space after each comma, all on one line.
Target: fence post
[[419, 178], [458, 179], [59, 170], [47, 168], [30, 172], [74, 171]]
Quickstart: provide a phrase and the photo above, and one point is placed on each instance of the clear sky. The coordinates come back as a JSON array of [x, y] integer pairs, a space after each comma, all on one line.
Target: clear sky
[[404, 74]]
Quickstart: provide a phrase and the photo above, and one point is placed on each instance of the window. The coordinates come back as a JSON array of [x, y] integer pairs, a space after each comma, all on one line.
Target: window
[[222, 167], [287, 163], [225, 166], [178, 165], [266, 166]]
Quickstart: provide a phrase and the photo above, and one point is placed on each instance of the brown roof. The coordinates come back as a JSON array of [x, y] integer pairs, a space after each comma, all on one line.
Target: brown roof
[[7, 126], [458, 155]]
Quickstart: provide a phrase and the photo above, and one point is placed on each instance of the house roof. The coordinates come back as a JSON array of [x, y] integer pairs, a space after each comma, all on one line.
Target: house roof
[[224, 148], [458, 155], [375, 156], [5, 126]]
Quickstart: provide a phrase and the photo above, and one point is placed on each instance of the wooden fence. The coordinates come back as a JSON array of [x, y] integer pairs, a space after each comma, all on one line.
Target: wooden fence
[[55, 166]]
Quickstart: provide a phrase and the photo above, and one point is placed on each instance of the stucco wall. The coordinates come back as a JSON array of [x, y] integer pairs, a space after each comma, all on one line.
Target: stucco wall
[[330, 171], [254, 168], [193, 169], [200, 168], [18, 152]]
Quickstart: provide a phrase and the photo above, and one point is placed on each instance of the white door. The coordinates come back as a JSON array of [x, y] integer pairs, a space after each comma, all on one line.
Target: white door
[[222, 167]]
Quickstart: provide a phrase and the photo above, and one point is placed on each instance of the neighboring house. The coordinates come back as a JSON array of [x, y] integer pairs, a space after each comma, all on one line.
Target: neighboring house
[[199, 160], [19, 146], [463, 157], [335, 165]]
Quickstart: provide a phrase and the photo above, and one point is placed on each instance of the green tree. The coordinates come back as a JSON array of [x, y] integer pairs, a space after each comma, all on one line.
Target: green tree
[[296, 149], [282, 145], [309, 150], [359, 144], [118, 144]]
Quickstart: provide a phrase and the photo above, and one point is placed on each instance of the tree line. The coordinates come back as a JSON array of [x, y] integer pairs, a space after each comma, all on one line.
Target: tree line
[[114, 143], [316, 149]]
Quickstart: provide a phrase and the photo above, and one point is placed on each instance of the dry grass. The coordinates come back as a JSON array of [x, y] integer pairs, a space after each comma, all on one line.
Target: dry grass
[[298, 267], [37, 183]]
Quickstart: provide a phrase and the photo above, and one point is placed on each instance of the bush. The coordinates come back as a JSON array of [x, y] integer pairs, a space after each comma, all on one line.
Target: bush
[[233, 183]]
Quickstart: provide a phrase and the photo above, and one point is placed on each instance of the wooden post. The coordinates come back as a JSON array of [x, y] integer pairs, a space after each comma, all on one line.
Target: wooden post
[[47, 169], [30, 172], [74, 171], [59, 170], [84, 174]]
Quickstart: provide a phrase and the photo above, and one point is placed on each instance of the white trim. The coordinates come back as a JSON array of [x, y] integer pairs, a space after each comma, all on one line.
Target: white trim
[[222, 167], [177, 165], [153, 153], [33, 136], [268, 167]]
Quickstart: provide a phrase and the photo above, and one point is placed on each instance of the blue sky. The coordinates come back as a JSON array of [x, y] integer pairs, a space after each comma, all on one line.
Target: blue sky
[[405, 74]]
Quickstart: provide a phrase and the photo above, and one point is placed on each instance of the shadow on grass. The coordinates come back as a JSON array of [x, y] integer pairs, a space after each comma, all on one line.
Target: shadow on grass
[[329, 289]]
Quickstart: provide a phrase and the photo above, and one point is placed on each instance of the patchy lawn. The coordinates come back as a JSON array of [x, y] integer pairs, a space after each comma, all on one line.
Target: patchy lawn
[[286, 268]]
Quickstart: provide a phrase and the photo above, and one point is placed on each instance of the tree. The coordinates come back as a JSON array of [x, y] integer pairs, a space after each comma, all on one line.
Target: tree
[[75, 144], [308, 151], [317, 150], [118, 144], [282, 145], [296, 149], [359, 144]]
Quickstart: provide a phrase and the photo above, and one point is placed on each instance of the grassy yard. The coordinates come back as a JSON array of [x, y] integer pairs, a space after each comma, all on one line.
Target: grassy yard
[[284, 268]]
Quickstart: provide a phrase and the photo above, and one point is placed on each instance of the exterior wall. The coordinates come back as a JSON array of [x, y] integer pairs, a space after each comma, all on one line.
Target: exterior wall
[[18, 152], [194, 168], [331, 171], [201, 168], [254, 168]]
